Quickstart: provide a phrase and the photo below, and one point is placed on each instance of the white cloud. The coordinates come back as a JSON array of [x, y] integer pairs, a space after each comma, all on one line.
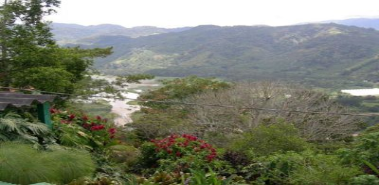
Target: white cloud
[[178, 13]]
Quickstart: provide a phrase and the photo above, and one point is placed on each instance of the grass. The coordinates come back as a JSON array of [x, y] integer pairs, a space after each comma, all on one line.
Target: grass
[[100, 107], [370, 103], [22, 164], [136, 116], [133, 103]]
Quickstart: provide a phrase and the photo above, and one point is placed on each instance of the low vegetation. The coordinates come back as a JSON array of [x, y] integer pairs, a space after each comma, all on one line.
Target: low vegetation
[[196, 140], [189, 131]]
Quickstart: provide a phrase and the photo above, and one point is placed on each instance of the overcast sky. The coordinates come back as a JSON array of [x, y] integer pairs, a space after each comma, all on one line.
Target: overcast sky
[[180, 13]]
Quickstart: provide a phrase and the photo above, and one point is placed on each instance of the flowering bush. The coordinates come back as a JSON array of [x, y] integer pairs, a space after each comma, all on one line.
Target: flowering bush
[[82, 131], [179, 153], [176, 146]]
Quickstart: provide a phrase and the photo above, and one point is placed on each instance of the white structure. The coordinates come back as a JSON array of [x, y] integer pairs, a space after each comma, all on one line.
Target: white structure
[[362, 92]]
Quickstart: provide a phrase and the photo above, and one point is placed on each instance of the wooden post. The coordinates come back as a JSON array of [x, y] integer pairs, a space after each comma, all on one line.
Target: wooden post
[[44, 114]]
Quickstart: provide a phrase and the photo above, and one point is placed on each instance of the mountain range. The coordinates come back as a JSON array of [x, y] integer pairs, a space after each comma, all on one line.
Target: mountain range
[[71, 33], [317, 54], [360, 22]]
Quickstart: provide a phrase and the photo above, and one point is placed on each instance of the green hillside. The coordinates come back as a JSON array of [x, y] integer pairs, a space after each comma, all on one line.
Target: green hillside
[[360, 22], [318, 54], [71, 33]]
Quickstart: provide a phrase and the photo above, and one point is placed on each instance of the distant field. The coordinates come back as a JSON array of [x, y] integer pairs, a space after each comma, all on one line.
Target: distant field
[[100, 107]]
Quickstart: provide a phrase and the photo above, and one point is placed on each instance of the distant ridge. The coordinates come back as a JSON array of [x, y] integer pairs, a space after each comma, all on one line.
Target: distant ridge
[[318, 54], [359, 22], [71, 33]]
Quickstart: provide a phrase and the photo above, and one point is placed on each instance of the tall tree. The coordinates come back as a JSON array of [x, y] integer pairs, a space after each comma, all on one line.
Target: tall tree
[[29, 54]]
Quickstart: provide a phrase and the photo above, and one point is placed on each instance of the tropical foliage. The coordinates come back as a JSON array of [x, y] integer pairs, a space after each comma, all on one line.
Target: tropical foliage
[[15, 128]]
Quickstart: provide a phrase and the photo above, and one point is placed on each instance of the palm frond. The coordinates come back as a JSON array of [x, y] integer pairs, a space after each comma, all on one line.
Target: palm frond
[[14, 127]]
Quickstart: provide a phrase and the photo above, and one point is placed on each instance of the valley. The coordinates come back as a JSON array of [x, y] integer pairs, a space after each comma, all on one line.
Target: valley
[[216, 99], [315, 55]]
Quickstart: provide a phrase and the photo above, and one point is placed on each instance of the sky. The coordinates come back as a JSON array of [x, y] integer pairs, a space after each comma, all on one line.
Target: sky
[[181, 13]]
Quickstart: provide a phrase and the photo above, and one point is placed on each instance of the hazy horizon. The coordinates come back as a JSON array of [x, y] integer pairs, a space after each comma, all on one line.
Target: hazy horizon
[[183, 13], [319, 22]]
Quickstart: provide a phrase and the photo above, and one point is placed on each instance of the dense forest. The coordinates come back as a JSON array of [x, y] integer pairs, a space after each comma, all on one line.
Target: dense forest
[[312, 54], [189, 130]]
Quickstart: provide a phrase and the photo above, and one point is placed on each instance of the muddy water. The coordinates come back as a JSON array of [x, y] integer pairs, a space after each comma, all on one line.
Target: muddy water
[[121, 108]]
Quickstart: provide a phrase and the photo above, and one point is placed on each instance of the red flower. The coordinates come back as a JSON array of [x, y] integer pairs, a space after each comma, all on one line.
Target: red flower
[[210, 157], [185, 143], [85, 118], [53, 111], [169, 151], [97, 127], [191, 144], [112, 130], [71, 117], [98, 118], [178, 154]]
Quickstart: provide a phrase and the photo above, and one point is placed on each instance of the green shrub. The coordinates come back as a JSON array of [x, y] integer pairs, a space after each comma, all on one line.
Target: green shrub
[[22, 164], [305, 168], [365, 150], [365, 180], [157, 124], [372, 129], [265, 140], [127, 155], [324, 169], [201, 177]]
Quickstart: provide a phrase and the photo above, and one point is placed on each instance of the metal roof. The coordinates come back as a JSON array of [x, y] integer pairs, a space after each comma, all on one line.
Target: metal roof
[[15, 99]]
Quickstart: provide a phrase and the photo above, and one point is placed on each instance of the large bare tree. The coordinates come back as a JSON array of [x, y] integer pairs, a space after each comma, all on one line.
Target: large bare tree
[[245, 106]]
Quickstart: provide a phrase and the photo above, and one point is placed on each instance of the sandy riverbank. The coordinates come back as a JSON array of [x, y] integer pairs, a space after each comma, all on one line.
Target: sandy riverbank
[[130, 91]]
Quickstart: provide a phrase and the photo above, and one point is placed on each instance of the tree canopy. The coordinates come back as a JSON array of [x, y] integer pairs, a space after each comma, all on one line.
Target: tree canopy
[[29, 55]]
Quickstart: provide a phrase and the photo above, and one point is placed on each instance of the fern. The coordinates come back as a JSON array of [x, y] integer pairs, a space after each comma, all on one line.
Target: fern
[[14, 128]]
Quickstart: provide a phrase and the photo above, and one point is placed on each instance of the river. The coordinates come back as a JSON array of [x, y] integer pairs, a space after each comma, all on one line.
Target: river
[[130, 92]]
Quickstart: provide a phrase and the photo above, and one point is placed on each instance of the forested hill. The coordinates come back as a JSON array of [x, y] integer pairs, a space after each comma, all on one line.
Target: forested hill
[[312, 53], [360, 22], [70, 33]]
